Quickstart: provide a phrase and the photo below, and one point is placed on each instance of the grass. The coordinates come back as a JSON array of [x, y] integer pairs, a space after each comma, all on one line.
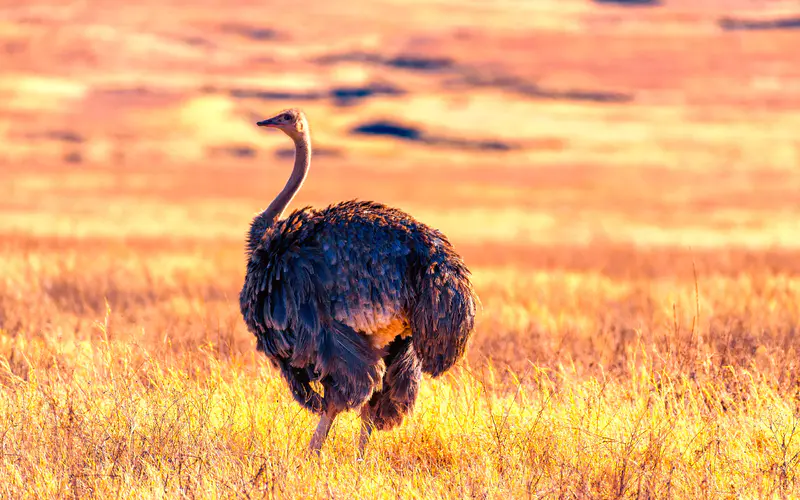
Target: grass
[[126, 372]]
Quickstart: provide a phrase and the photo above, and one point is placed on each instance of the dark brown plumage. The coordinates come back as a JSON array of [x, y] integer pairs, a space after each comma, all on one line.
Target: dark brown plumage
[[359, 297]]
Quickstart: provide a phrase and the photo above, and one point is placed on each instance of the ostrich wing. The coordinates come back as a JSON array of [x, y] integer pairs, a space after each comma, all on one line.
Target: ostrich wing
[[286, 302]]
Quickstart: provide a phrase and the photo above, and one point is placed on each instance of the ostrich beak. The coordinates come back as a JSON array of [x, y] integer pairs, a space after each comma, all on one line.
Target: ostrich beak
[[266, 123]]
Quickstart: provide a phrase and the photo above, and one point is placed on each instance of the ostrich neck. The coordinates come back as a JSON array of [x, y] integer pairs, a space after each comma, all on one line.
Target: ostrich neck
[[302, 161]]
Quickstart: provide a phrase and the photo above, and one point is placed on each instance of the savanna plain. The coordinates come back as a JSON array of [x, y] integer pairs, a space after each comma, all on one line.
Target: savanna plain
[[623, 183]]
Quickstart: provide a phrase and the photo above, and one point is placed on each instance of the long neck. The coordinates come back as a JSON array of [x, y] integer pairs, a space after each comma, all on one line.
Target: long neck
[[302, 160]]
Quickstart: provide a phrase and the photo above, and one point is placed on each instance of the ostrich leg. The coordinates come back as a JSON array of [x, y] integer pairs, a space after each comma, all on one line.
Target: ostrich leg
[[323, 427], [366, 431]]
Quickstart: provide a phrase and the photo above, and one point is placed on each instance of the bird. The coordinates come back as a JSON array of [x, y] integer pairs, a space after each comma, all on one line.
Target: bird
[[353, 302]]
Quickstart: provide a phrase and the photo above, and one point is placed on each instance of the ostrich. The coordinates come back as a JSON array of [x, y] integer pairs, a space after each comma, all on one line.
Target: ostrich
[[358, 298]]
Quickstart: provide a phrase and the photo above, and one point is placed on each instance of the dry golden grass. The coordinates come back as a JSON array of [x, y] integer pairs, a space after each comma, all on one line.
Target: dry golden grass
[[598, 383], [638, 262]]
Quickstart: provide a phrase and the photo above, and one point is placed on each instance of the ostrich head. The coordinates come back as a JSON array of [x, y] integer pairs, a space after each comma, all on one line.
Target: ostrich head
[[291, 122]]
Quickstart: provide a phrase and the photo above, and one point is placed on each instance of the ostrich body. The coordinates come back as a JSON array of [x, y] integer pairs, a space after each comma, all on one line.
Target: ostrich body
[[358, 298]]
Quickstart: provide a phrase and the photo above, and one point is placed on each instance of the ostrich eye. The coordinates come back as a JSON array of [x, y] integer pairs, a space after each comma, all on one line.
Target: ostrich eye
[[286, 117]]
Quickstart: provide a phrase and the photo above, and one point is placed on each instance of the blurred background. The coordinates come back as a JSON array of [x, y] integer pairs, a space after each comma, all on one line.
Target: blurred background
[[506, 124]]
